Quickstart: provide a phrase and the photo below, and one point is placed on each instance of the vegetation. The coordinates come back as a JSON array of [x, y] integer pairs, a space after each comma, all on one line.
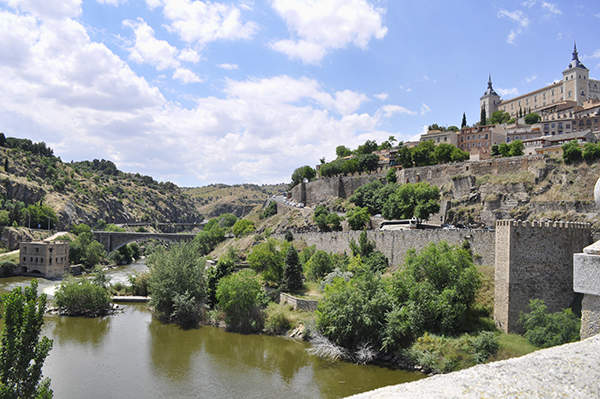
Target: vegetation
[[412, 200], [82, 296], [241, 297], [177, 283], [358, 218], [85, 250], [572, 152], [301, 173], [243, 227], [532, 118], [514, 149], [22, 353], [499, 117], [223, 268], [545, 329], [327, 221], [269, 211], [293, 275]]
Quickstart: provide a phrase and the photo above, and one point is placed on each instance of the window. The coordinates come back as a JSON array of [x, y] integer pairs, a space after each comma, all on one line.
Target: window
[[568, 126], [553, 125], [588, 122], [552, 91], [569, 93], [486, 136]]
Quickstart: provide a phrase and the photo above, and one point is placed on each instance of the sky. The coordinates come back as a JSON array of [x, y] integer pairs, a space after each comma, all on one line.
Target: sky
[[200, 92]]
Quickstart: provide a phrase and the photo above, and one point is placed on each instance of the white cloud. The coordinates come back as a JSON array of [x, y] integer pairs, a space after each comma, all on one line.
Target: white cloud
[[531, 78], [186, 76], [204, 22], [147, 48], [516, 16], [425, 109], [553, 8], [387, 111], [112, 2], [189, 55], [319, 27], [228, 66], [383, 96], [508, 92], [48, 10], [152, 4]]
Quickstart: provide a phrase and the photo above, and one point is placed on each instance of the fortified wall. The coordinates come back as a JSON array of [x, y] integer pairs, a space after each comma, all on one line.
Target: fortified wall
[[395, 243], [535, 261], [321, 190]]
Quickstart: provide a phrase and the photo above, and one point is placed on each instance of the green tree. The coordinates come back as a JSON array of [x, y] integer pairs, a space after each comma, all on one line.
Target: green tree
[[177, 283], [483, 119], [459, 155], [318, 266], [41, 215], [571, 152], [453, 128], [545, 329], [368, 147], [404, 157], [504, 150], [301, 173], [342, 151], [443, 153], [241, 297], [435, 126], [80, 228], [227, 220], [368, 162], [243, 227], [292, 271], [269, 211], [22, 353], [224, 267], [516, 148], [422, 154], [532, 118], [495, 150], [81, 296], [358, 218], [266, 258], [412, 200], [391, 175], [591, 152], [464, 121], [499, 117]]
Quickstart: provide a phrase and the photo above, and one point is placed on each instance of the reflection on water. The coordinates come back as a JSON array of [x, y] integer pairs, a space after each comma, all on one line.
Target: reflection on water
[[132, 355]]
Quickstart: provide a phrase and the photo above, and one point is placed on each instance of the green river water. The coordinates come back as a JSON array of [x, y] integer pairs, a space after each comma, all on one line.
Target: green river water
[[132, 355]]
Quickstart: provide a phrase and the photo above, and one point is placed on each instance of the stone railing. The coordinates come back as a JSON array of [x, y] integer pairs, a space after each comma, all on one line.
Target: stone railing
[[298, 303]]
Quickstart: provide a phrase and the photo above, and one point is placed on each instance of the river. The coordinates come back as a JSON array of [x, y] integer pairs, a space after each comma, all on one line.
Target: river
[[132, 355]]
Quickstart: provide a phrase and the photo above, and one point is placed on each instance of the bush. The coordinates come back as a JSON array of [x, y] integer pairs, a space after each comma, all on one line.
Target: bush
[[7, 268], [227, 220], [276, 321], [241, 297], [571, 152], [269, 210], [224, 267], [358, 218], [545, 329], [266, 258], [391, 175], [82, 297], [140, 283], [484, 345], [243, 227], [318, 266], [176, 280]]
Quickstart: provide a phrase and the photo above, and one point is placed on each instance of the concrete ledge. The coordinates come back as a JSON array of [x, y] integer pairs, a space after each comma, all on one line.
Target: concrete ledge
[[586, 274], [567, 371], [130, 298]]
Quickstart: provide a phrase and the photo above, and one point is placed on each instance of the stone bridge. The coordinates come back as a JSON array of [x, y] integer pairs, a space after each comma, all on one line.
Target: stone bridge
[[114, 240]]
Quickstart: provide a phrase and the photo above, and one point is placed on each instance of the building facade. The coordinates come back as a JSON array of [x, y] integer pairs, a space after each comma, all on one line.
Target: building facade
[[49, 259], [478, 141], [575, 86], [439, 137]]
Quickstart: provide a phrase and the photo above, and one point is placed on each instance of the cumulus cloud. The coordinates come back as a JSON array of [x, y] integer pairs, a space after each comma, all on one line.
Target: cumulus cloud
[[204, 22], [228, 66], [508, 92], [387, 111], [516, 16], [383, 96], [47, 10], [147, 48], [186, 76], [319, 27], [112, 2]]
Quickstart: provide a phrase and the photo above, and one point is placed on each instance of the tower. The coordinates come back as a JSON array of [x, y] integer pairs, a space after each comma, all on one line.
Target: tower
[[575, 80], [489, 100]]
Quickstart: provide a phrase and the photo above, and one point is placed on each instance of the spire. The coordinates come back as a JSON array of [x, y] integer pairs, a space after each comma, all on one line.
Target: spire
[[490, 89], [575, 54], [575, 63]]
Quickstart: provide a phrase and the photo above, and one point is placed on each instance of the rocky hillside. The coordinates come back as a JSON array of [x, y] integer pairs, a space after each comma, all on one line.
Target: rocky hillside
[[83, 192]]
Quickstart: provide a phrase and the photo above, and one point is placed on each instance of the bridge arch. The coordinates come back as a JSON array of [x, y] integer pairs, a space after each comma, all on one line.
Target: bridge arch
[[115, 240]]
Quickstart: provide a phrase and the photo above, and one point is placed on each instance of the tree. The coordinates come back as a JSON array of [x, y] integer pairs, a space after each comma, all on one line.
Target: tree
[[342, 151], [368, 147], [224, 267], [266, 258], [22, 353], [499, 117], [301, 173], [495, 150], [318, 266], [443, 153], [422, 154], [504, 150], [516, 148], [571, 152], [483, 119], [391, 175], [591, 152], [177, 283], [545, 329], [412, 200], [459, 155], [227, 220], [358, 218], [368, 162], [241, 297], [83, 296], [532, 118], [464, 121], [292, 271], [243, 227], [435, 126]]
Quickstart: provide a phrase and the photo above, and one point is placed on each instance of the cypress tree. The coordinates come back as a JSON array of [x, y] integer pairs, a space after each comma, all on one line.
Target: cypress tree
[[483, 121], [464, 121], [292, 271]]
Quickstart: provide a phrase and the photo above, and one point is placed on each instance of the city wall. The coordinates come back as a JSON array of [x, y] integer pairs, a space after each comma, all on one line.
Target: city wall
[[535, 261], [321, 190], [395, 244], [298, 303]]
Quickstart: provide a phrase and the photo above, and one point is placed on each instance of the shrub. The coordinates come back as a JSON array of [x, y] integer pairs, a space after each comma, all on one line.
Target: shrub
[[82, 297], [7, 268], [243, 227], [318, 266], [269, 210], [484, 345], [289, 237], [358, 218], [391, 175], [266, 258], [140, 283], [241, 297], [224, 267], [545, 329], [276, 321]]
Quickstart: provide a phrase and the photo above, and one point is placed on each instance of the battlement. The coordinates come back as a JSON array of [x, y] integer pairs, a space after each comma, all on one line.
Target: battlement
[[551, 224]]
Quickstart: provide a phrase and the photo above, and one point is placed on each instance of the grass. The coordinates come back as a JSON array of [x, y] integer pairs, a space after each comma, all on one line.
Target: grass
[[513, 345], [282, 318], [14, 258]]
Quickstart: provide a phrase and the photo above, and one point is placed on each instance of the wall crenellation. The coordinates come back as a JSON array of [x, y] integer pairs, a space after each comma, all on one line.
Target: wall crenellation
[[552, 224]]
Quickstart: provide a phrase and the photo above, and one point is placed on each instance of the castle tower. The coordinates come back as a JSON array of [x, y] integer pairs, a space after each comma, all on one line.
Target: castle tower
[[575, 80], [489, 100]]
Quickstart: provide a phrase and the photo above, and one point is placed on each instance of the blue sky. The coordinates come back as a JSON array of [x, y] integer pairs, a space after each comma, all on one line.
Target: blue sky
[[200, 92]]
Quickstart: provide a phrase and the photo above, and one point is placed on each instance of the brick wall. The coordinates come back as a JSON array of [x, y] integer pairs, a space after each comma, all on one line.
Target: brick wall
[[535, 261]]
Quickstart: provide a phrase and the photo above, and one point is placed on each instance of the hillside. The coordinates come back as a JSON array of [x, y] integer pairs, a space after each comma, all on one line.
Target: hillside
[[82, 192], [215, 199]]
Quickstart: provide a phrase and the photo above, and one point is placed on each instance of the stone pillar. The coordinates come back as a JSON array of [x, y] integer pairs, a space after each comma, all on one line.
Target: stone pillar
[[586, 280]]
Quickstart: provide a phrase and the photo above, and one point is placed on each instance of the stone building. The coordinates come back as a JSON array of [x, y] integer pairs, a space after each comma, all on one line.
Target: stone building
[[439, 137], [575, 86], [49, 259], [478, 141], [552, 145]]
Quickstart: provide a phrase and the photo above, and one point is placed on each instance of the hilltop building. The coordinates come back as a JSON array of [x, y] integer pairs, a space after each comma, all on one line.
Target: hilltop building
[[49, 259], [478, 140], [575, 88]]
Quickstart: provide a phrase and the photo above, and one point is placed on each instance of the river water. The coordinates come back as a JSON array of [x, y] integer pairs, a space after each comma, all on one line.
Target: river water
[[132, 355]]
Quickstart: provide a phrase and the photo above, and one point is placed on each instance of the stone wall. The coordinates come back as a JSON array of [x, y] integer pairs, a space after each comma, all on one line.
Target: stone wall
[[534, 261], [298, 303], [395, 243], [321, 190]]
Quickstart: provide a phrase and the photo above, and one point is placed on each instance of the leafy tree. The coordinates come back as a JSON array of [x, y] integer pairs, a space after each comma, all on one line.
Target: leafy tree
[[412, 200], [368, 162], [591, 152], [375, 261], [391, 175], [422, 154], [443, 153], [358, 218], [209, 237], [42, 215], [177, 283], [342, 151], [435, 126], [404, 157], [334, 222], [241, 297], [224, 267], [349, 166], [364, 247], [504, 150], [115, 228], [22, 353], [516, 148], [453, 128], [301, 173], [368, 147], [81, 296], [269, 211], [318, 266], [292, 271], [499, 117], [266, 258], [80, 228], [243, 227], [483, 119], [571, 152], [495, 150], [464, 121], [288, 236], [545, 329], [459, 155], [228, 220], [532, 118]]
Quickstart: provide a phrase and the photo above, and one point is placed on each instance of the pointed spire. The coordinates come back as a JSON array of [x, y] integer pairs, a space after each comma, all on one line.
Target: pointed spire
[[575, 53], [490, 89], [575, 63]]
